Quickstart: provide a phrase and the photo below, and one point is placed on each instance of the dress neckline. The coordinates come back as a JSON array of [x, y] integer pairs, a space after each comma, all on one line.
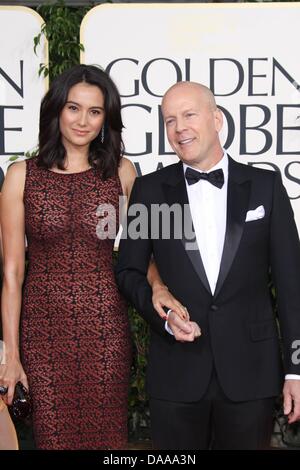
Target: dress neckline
[[66, 173]]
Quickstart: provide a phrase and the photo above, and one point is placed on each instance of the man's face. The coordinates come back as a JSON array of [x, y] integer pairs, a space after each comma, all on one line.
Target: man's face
[[193, 123]]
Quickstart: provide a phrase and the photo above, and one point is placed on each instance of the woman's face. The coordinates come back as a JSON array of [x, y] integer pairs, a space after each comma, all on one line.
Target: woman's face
[[83, 115]]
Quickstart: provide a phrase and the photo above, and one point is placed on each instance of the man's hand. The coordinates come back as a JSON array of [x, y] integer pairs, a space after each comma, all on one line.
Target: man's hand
[[291, 399], [185, 331]]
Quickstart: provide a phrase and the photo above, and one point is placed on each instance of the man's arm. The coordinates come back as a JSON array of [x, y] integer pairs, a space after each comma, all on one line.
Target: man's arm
[[133, 260], [285, 269], [285, 266], [132, 268]]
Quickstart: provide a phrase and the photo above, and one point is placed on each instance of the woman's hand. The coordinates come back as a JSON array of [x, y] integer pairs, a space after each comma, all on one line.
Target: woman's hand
[[11, 373], [162, 297]]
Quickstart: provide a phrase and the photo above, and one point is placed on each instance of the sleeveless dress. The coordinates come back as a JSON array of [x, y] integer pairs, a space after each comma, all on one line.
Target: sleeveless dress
[[74, 325]]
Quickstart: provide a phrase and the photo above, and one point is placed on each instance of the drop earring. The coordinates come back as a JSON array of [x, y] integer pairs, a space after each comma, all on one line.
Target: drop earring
[[102, 135]]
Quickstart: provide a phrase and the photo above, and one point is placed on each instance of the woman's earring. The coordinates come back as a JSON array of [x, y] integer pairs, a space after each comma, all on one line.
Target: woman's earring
[[102, 135]]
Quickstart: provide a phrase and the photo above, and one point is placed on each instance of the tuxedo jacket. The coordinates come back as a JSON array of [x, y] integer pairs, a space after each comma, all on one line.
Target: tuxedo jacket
[[249, 345]]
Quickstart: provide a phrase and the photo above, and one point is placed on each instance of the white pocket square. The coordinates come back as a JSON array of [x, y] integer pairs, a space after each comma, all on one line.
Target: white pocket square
[[255, 214]]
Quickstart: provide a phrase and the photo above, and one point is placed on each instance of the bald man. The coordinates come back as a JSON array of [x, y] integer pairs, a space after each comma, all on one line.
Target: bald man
[[215, 390]]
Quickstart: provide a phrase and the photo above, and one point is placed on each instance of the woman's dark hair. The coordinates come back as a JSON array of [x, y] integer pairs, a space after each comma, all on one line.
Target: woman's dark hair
[[107, 155]]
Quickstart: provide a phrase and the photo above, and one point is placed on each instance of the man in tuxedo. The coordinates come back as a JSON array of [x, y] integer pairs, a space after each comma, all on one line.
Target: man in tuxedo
[[215, 390]]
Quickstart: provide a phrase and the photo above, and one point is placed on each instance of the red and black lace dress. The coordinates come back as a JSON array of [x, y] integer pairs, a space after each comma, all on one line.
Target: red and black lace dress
[[74, 326]]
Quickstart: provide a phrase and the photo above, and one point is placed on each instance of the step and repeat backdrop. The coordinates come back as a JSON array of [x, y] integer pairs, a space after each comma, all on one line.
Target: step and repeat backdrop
[[246, 53], [21, 88]]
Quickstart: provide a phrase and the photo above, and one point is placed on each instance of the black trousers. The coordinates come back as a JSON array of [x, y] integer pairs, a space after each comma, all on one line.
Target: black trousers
[[215, 422]]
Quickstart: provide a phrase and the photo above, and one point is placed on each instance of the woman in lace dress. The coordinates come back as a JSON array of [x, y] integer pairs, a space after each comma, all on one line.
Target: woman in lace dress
[[75, 344]]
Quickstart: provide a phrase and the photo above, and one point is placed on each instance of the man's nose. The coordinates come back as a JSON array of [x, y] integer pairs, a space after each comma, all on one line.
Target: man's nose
[[180, 124]]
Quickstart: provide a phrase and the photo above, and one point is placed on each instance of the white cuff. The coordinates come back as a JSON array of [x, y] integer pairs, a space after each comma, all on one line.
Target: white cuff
[[167, 328], [292, 377]]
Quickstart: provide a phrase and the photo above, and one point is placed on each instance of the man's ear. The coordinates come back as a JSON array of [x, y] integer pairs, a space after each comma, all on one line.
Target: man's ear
[[218, 115]]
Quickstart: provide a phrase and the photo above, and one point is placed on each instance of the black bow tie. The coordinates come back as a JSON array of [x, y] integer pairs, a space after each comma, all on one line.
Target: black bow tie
[[214, 177]]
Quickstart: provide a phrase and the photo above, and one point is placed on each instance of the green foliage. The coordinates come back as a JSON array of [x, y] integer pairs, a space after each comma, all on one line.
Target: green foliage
[[31, 154], [138, 421], [61, 28]]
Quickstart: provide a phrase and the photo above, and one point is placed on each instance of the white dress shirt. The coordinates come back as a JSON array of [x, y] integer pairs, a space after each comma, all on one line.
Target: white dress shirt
[[208, 205]]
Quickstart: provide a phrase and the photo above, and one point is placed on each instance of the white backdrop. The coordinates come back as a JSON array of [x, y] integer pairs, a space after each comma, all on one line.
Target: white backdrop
[[21, 89], [248, 54]]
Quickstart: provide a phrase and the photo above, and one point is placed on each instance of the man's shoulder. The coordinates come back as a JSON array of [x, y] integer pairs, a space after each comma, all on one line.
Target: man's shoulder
[[253, 172], [161, 175]]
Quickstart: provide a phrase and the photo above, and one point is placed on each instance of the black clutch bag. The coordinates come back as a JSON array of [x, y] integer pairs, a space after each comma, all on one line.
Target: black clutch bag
[[21, 407]]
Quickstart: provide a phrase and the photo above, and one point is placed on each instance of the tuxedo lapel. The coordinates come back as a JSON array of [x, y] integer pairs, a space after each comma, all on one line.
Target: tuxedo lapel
[[175, 193], [238, 194]]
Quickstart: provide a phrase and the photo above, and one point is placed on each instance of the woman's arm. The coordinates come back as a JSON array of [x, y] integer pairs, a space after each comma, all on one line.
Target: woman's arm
[[127, 175], [162, 299], [13, 239]]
